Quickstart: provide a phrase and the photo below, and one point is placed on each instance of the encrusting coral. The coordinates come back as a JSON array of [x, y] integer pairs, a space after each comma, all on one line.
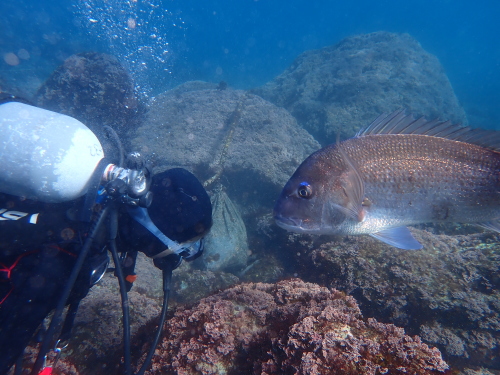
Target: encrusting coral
[[291, 327]]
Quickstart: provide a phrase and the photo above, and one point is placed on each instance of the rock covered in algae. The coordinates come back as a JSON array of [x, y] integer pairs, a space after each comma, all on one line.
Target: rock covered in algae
[[253, 144], [95, 89], [191, 284], [340, 88], [284, 328], [448, 293]]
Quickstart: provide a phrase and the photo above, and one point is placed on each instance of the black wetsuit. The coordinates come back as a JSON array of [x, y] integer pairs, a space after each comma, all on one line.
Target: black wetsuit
[[39, 244]]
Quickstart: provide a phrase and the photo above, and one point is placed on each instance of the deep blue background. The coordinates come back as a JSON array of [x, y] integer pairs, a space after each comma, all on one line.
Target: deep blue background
[[247, 42]]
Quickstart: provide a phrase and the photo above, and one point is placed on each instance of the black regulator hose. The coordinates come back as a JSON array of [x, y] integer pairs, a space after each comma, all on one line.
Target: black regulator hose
[[171, 262], [57, 317], [113, 230], [167, 282]]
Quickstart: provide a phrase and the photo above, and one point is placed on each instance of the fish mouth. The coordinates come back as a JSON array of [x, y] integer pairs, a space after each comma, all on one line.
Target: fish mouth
[[296, 225], [290, 224]]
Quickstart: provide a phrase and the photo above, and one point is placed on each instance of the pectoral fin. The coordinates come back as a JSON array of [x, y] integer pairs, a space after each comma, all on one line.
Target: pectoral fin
[[399, 237], [491, 225]]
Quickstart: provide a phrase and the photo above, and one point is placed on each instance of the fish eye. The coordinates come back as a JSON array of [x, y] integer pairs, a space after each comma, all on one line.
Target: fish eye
[[305, 190]]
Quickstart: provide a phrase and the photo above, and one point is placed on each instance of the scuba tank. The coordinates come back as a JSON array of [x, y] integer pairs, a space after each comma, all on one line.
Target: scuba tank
[[45, 155]]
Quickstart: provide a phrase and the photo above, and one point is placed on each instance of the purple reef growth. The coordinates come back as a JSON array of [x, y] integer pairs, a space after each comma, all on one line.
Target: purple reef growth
[[291, 327]]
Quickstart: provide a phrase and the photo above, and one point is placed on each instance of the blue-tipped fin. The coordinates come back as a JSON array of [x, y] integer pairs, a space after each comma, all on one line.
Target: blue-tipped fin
[[399, 237], [491, 225]]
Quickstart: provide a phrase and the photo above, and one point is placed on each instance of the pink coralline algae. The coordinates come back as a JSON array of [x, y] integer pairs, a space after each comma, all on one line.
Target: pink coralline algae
[[291, 327]]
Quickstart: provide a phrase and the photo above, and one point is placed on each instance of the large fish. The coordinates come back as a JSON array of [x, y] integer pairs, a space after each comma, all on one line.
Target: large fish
[[397, 172]]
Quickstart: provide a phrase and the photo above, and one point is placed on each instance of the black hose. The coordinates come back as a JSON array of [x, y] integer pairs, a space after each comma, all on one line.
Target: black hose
[[113, 229], [69, 321], [119, 146], [91, 195], [57, 317], [167, 282]]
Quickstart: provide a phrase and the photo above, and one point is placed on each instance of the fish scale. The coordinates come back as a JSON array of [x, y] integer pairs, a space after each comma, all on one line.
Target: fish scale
[[378, 184]]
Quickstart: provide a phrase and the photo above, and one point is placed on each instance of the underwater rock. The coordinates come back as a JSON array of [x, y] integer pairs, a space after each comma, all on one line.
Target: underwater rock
[[448, 292], [192, 86], [190, 284], [251, 145], [284, 328], [226, 245], [341, 88], [96, 344], [95, 89], [264, 268]]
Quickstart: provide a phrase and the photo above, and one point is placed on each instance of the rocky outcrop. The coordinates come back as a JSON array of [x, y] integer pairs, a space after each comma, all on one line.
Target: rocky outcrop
[[341, 88], [447, 293], [95, 89], [250, 144]]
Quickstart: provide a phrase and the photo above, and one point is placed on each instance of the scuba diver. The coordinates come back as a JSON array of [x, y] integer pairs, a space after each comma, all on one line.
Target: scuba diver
[[63, 208]]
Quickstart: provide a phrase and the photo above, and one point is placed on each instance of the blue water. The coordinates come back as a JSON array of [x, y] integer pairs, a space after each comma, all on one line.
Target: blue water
[[248, 42], [245, 43]]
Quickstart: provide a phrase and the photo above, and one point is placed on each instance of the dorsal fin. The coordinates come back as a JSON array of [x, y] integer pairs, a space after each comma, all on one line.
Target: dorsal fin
[[398, 122]]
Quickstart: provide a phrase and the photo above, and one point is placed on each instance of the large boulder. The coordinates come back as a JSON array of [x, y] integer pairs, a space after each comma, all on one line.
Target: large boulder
[[250, 143], [341, 88], [95, 89]]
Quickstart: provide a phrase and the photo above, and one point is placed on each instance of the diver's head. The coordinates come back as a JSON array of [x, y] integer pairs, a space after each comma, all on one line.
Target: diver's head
[[180, 211], [181, 207]]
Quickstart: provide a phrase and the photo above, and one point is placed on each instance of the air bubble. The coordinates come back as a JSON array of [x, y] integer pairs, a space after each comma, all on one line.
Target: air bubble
[[136, 32], [131, 24], [23, 54], [11, 59]]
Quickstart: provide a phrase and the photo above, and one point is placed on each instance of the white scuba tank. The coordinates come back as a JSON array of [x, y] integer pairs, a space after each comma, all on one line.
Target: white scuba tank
[[45, 155]]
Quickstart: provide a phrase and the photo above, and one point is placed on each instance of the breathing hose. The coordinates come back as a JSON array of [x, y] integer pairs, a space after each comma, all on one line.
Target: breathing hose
[[167, 269], [113, 230], [167, 281], [57, 317], [168, 266]]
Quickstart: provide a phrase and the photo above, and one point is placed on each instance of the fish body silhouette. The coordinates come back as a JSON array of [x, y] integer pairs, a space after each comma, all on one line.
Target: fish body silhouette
[[397, 172]]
